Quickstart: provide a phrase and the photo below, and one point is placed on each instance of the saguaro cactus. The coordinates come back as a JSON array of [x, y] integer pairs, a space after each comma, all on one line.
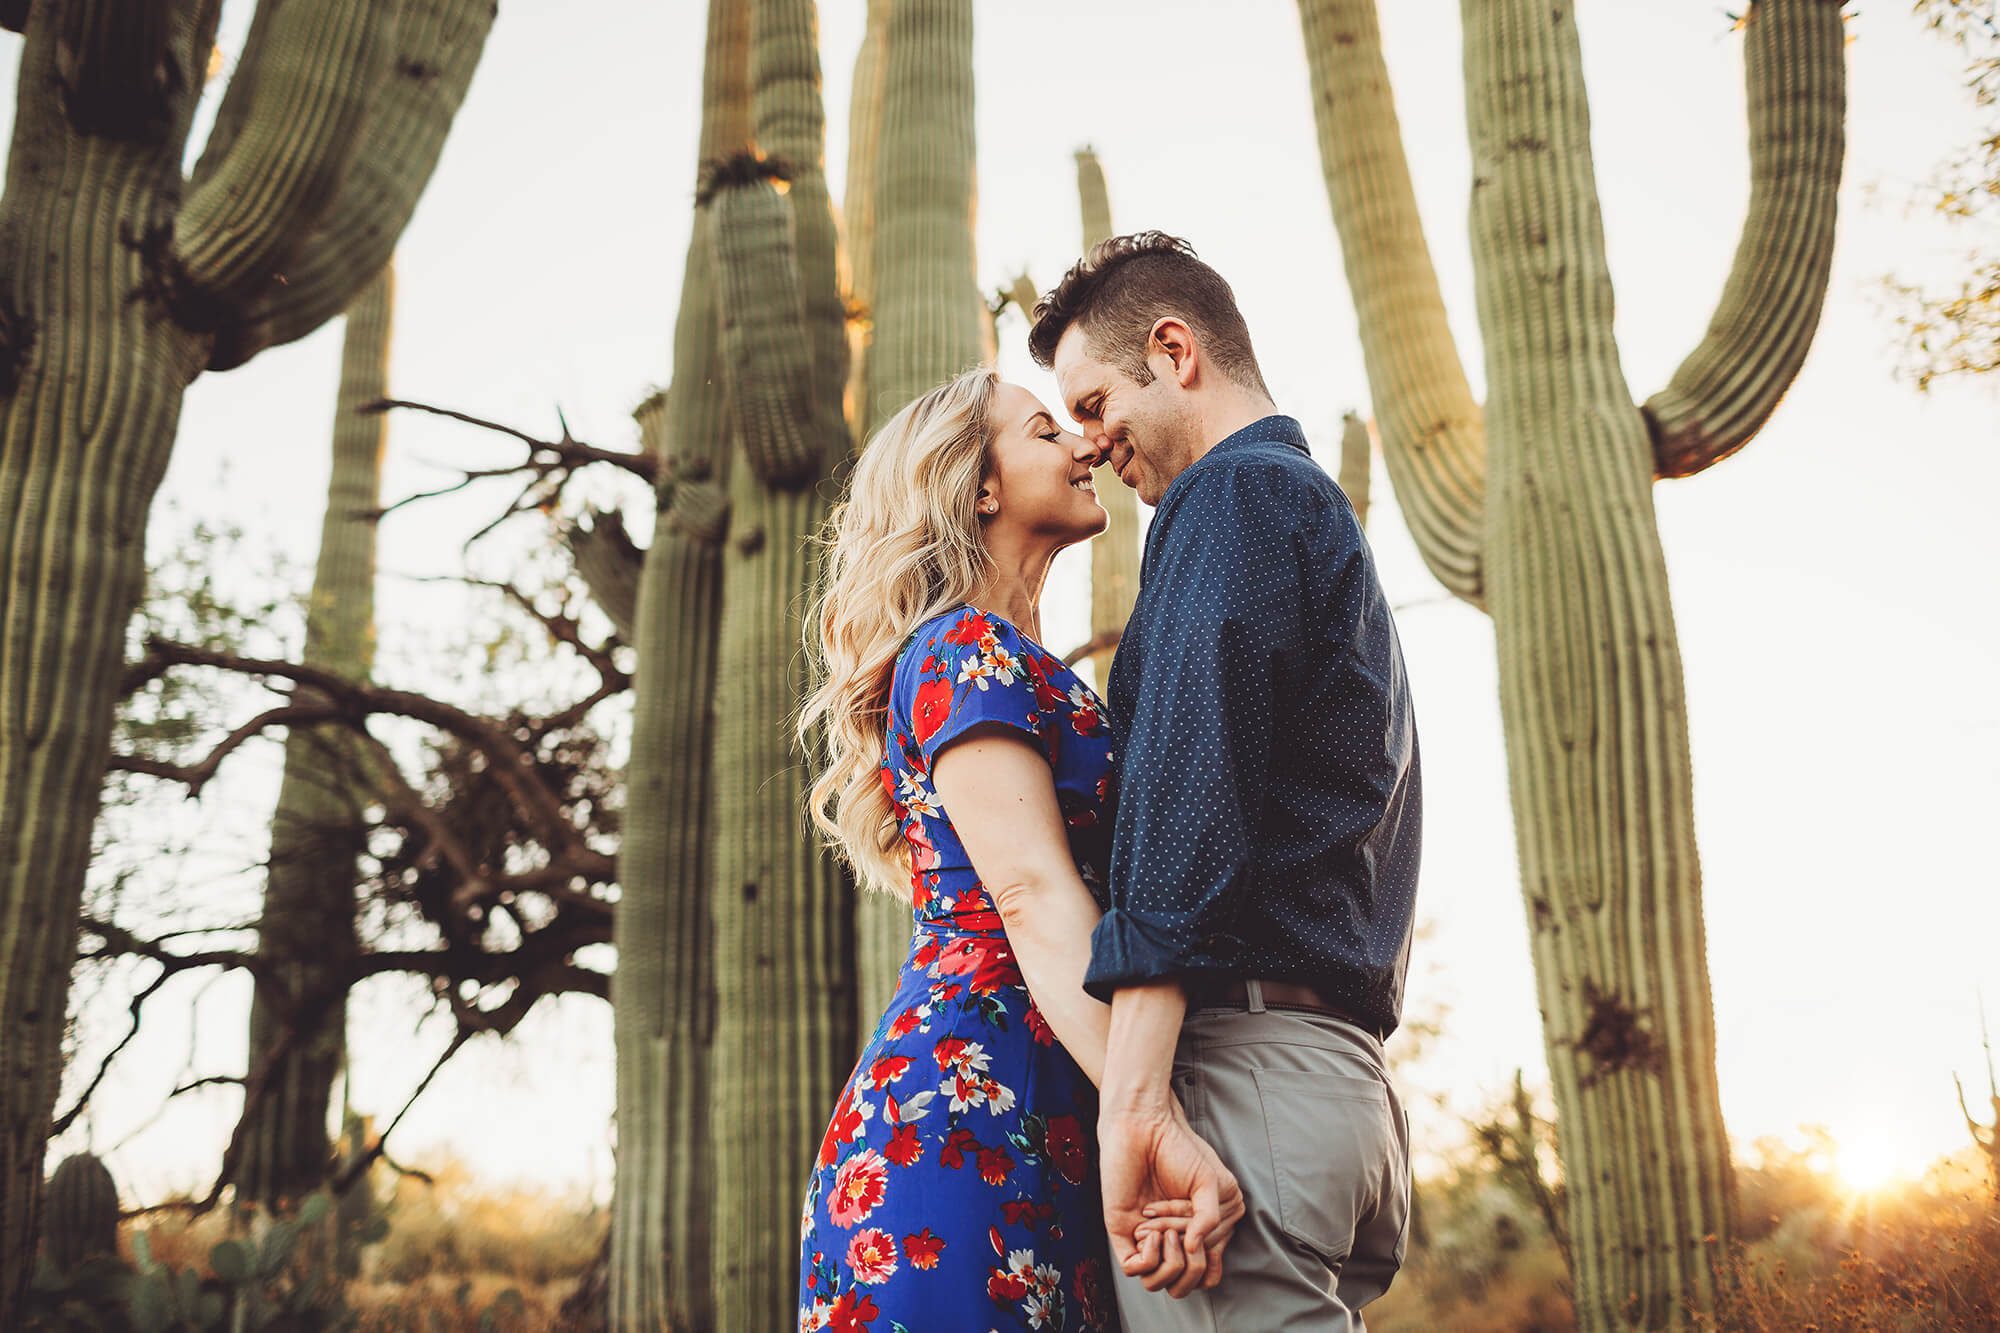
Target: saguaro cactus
[[307, 932], [82, 1212], [663, 1000], [1543, 513], [120, 282], [1114, 556], [783, 913], [927, 303], [1355, 455], [857, 209]]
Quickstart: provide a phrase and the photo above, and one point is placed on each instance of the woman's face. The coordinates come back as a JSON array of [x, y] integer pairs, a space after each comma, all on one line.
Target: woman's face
[[1037, 481]]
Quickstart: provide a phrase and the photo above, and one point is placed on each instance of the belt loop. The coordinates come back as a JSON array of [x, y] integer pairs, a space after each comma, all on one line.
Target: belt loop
[[1255, 988]]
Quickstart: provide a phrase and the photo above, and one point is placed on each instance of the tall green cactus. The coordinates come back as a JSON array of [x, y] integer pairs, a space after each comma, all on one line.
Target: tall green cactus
[[857, 209], [119, 283], [663, 1001], [783, 913], [82, 1217], [307, 932], [1114, 556], [1544, 513], [927, 303]]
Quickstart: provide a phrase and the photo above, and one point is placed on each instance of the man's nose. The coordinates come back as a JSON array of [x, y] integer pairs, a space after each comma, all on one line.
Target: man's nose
[[1090, 447]]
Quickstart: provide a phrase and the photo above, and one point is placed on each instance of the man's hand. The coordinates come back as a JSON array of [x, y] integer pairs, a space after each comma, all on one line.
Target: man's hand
[[1151, 1158]]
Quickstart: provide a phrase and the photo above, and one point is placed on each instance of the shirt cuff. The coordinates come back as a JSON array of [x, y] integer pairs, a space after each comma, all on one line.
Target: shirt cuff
[[1128, 948]]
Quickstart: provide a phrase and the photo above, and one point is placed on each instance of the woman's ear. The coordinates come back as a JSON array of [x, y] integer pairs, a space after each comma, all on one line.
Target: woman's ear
[[987, 503]]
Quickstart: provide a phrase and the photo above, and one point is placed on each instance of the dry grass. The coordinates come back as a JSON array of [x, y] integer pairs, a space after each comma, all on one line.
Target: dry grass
[[1815, 1258]]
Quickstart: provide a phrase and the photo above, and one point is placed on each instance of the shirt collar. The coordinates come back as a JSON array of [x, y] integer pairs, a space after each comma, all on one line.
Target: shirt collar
[[1272, 429]]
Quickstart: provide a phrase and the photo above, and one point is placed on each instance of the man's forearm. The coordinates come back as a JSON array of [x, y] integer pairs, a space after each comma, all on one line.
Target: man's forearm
[[1139, 1052]]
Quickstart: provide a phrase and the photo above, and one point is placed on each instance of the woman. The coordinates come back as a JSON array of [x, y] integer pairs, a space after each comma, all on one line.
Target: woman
[[967, 771]]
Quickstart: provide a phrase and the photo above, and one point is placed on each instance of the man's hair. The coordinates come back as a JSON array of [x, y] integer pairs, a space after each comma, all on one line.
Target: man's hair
[[1117, 292]]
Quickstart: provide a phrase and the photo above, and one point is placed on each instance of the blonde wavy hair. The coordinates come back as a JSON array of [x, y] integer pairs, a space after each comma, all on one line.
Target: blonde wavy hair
[[902, 547]]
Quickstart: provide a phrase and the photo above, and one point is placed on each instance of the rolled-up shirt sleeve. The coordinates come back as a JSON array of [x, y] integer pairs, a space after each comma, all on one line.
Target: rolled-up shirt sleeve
[[1222, 605]]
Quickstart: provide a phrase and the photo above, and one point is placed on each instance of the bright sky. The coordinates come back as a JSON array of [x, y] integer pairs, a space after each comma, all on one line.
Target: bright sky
[[1834, 583]]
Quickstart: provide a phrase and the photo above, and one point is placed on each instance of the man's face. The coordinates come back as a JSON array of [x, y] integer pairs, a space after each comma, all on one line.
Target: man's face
[[1132, 425]]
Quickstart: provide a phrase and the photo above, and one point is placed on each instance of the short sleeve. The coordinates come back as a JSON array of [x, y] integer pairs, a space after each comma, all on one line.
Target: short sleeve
[[969, 668]]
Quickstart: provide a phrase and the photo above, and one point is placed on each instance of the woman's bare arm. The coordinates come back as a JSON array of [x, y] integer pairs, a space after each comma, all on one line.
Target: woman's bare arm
[[1000, 796]]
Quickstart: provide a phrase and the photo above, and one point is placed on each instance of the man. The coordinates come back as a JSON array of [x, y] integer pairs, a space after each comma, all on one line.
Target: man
[[1264, 866]]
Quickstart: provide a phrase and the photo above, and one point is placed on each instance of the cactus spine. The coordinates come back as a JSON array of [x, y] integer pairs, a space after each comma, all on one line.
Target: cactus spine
[[927, 300], [784, 927], [307, 932], [82, 1217], [1114, 556], [119, 282], [663, 1000], [1544, 512]]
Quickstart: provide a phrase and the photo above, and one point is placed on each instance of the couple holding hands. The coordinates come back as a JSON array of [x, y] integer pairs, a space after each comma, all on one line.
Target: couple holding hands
[[1132, 1074]]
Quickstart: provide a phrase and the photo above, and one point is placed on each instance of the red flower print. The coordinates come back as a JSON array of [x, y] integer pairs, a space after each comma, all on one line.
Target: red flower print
[[1084, 718], [923, 852], [846, 1125], [993, 1239], [852, 1313], [1046, 695], [872, 1255], [888, 1069], [953, 1152], [858, 1188], [906, 1023], [922, 1249], [1038, 1027], [903, 1147], [949, 1051], [1066, 1148], [971, 628], [1026, 1213], [1091, 1293], [1005, 1287], [994, 1164], [932, 705]]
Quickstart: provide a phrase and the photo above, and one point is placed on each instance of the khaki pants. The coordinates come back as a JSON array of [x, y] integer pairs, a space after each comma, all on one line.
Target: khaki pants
[[1299, 1106]]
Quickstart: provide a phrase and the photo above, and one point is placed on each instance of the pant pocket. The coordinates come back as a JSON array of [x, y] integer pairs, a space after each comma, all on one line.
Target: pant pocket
[[1329, 1138]]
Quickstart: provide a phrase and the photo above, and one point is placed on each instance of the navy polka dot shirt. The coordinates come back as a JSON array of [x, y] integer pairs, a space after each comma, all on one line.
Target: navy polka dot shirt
[[1269, 802]]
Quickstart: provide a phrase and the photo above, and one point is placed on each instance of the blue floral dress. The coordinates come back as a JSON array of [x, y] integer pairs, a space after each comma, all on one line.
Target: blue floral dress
[[956, 1187]]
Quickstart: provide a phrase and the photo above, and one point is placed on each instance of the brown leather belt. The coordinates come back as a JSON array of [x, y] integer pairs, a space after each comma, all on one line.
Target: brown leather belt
[[1214, 991]]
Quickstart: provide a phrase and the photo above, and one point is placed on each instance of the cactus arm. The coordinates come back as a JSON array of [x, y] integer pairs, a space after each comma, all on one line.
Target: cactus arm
[[1355, 447], [320, 64], [788, 122], [763, 324], [1114, 556], [864, 151], [1433, 438], [927, 290], [1795, 88], [608, 562], [436, 48]]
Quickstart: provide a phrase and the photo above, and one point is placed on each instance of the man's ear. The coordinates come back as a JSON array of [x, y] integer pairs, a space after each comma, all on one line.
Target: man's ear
[[1173, 339]]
